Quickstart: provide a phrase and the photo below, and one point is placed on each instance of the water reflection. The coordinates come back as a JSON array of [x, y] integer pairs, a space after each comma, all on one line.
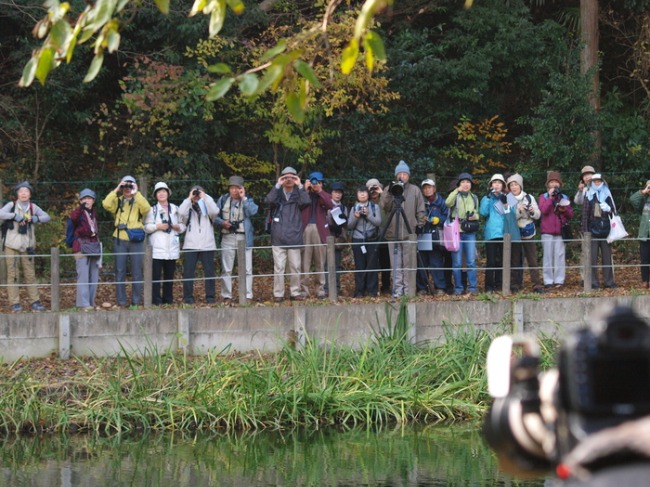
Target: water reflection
[[422, 456]]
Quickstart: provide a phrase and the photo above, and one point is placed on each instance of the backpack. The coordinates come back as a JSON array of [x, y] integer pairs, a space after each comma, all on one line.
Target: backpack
[[69, 233]]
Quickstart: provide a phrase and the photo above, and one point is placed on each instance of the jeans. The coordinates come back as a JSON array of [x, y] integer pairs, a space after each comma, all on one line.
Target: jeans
[[468, 250], [190, 260]]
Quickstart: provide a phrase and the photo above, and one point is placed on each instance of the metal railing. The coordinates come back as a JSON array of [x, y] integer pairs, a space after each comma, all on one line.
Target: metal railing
[[410, 258]]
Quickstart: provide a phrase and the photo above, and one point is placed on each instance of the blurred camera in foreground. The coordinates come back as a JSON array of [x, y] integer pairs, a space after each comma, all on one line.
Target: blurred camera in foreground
[[584, 417]]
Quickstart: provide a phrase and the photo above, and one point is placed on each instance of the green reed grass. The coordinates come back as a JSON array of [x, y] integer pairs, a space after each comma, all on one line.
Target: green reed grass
[[386, 381]]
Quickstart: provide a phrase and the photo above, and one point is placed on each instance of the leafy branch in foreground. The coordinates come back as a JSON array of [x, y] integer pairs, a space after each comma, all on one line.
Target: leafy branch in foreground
[[102, 21]]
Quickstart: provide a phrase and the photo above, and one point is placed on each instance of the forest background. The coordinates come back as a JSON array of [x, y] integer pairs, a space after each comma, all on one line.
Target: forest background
[[497, 87]]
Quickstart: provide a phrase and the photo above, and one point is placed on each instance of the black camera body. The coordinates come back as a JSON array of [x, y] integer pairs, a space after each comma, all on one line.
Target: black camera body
[[396, 188], [196, 192], [234, 225], [601, 384]]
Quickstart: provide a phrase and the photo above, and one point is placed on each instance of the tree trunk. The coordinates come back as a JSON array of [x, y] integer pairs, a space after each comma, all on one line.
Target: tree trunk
[[589, 60]]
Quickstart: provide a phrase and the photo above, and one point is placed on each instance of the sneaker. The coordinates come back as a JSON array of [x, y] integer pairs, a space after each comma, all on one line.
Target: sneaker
[[440, 292], [16, 308], [538, 290], [422, 292], [298, 297], [37, 306], [278, 300]]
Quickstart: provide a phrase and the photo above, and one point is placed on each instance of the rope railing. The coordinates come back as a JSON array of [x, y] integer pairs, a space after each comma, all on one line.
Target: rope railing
[[59, 278]]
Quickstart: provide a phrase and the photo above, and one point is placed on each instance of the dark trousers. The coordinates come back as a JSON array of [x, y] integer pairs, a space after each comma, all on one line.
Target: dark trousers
[[190, 260], [128, 251], [384, 264], [644, 249], [432, 265], [606, 255], [494, 264], [166, 268], [525, 249], [365, 277]]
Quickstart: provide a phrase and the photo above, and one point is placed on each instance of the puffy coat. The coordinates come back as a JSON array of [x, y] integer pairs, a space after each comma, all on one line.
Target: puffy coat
[[553, 215], [164, 245]]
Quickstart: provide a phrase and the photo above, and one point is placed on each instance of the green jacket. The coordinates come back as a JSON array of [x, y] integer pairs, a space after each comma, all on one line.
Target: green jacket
[[641, 204]]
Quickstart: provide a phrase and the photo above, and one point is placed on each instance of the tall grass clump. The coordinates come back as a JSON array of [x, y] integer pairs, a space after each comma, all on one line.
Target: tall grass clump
[[387, 380]]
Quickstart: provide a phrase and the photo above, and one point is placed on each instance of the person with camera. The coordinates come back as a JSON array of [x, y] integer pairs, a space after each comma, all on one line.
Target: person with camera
[[462, 203], [526, 211], [640, 201], [407, 197], [87, 248], [600, 205], [494, 206], [556, 211], [198, 212], [287, 199], [19, 243], [375, 190], [235, 211], [314, 220], [432, 258], [364, 222], [338, 227], [129, 208], [579, 199], [164, 228]]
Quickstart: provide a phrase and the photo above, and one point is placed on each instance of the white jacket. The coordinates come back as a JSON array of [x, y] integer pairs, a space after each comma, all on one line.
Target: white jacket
[[164, 246], [22, 241], [199, 234]]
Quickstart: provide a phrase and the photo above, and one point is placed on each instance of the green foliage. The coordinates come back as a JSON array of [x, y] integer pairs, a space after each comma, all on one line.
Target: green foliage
[[562, 125]]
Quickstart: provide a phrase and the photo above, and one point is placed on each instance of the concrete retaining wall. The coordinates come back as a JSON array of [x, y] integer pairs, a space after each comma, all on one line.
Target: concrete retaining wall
[[267, 329]]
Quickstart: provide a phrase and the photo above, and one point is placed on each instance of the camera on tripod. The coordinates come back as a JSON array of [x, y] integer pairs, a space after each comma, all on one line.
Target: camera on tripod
[[570, 416], [396, 188]]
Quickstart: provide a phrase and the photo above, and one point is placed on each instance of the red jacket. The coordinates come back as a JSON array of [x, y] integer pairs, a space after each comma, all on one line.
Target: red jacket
[[321, 202], [553, 215]]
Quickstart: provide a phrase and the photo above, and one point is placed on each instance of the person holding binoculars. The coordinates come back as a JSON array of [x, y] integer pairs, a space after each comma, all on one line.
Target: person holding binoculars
[[198, 212], [19, 243], [129, 208], [164, 228], [235, 211]]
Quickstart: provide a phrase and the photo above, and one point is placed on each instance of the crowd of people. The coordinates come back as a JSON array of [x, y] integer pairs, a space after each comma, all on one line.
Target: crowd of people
[[302, 215]]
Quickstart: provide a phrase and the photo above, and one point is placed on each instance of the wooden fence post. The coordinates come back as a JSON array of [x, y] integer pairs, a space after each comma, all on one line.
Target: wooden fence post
[[411, 262], [55, 269], [331, 269], [586, 263], [507, 254], [241, 267]]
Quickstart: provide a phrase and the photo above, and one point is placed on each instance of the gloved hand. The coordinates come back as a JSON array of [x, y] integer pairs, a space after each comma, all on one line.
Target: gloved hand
[[18, 218], [504, 199], [605, 207], [419, 230]]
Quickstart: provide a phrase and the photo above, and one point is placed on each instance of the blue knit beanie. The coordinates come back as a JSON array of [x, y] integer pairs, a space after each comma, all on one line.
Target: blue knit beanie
[[402, 167]]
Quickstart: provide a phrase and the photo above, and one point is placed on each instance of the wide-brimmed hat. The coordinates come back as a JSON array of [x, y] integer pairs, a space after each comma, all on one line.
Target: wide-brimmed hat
[[497, 177], [464, 175], [553, 176], [587, 170], [160, 185], [87, 193], [236, 181]]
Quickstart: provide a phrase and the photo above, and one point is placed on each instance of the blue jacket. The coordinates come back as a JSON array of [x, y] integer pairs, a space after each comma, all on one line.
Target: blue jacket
[[435, 208], [492, 209]]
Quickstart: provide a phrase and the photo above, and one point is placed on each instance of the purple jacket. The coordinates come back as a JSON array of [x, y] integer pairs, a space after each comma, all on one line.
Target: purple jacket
[[82, 228], [553, 216]]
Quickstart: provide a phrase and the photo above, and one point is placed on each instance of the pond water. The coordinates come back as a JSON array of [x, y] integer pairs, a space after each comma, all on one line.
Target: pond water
[[424, 456]]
